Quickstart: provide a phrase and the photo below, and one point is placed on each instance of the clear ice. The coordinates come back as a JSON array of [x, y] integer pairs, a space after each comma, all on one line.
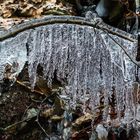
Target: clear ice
[[13, 52], [84, 59]]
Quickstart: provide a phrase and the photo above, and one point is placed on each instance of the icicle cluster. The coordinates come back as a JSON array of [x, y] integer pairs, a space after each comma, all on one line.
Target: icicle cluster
[[84, 59]]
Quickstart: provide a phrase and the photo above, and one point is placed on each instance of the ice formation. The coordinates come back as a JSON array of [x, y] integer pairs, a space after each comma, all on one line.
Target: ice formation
[[84, 59], [13, 52], [102, 132]]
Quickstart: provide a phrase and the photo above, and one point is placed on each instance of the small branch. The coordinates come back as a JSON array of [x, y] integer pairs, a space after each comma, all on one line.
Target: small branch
[[26, 110], [37, 119], [21, 84], [42, 128], [14, 125], [123, 48], [64, 20]]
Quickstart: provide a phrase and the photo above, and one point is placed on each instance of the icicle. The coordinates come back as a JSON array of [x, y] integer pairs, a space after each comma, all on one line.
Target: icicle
[[137, 6], [33, 63], [102, 132]]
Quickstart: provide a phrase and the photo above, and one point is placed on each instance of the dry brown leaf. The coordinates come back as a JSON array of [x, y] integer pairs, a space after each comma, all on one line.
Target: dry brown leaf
[[56, 118], [7, 13], [37, 1], [8, 2], [82, 119], [47, 113], [34, 8]]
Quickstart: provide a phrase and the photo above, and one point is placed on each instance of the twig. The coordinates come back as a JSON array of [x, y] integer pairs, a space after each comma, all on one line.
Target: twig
[[37, 120], [37, 101], [21, 84], [123, 48], [13, 125], [64, 20], [42, 128], [26, 110]]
